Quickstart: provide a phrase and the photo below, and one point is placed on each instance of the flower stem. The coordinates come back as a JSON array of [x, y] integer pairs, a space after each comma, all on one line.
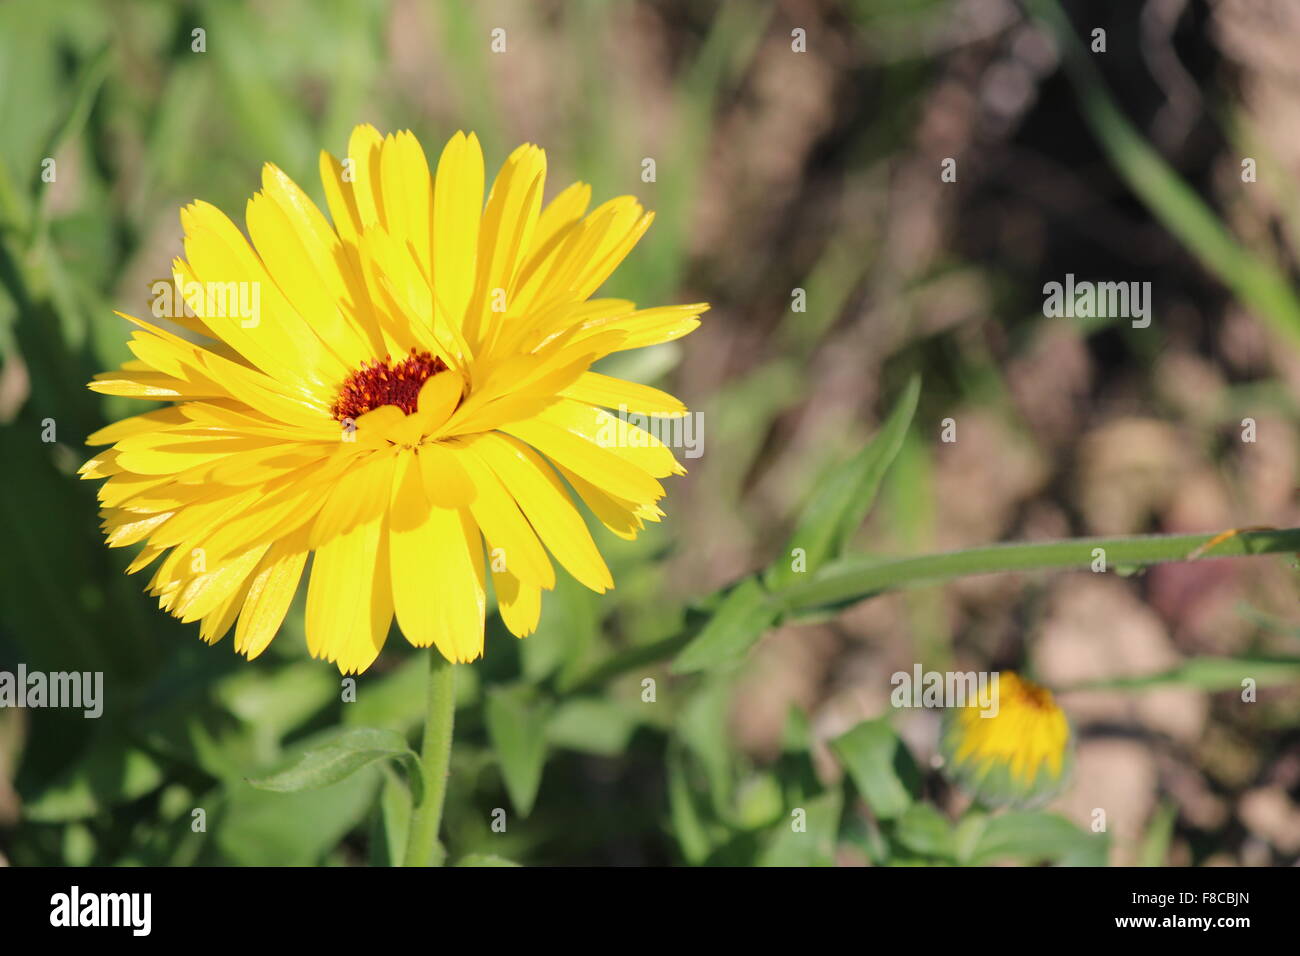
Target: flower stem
[[422, 846]]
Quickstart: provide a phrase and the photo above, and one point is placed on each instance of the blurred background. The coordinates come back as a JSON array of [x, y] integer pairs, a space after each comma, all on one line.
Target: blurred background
[[777, 169]]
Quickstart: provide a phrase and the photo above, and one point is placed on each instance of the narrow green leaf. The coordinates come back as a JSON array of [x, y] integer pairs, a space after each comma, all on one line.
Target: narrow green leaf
[[795, 768], [739, 622], [339, 757], [861, 576], [1210, 674], [89, 80], [841, 502], [393, 822], [881, 766], [684, 811], [517, 729], [704, 729]]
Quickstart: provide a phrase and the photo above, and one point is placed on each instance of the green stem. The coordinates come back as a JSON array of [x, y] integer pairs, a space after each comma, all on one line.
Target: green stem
[[422, 846], [856, 578]]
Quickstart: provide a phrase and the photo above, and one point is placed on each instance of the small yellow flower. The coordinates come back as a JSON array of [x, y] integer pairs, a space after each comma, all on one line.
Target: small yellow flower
[[1016, 752], [388, 392]]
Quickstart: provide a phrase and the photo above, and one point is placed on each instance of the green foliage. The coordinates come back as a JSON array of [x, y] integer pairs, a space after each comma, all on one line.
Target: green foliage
[[741, 618], [881, 768], [516, 727], [337, 757], [846, 495]]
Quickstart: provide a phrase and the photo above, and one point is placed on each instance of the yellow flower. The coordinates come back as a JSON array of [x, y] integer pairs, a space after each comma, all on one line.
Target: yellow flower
[[385, 393], [1014, 752]]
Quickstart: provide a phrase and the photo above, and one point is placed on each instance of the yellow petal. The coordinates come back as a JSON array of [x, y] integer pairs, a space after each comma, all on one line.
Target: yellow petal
[[617, 514], [302, 254], [546, 505], [519, 602], [509, 218], [446, 483], [237, 299], [338, 197], [408, 195], [593, 388], [457, 212], [439, 397], [363, 149], [136, 425], [205, 591], [271, 591], [358, 498], [602, 467], [510, 537], [349, 597], [616, 435], [437, 571]]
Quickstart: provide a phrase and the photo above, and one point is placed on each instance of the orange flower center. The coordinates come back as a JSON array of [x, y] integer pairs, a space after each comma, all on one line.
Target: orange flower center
[[382, 382]]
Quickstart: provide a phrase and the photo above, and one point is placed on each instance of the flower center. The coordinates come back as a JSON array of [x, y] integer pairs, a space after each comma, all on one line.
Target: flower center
[[382, 382]]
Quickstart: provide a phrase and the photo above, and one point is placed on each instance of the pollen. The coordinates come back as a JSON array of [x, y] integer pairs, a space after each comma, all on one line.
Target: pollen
[[383, 382]]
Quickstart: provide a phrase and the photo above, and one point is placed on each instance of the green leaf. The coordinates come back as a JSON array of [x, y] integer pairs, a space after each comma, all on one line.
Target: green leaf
[[1160, 832], [840, 504], [571, 623], [593, 725], [881, 766], [924, 830], [485, 859], [795, 768], [261, 828], [393, 822], [517, 728], [968, 832], [277, 701], [339, 757], [112, 772], [1035, 837], [688, 824], [703, 727], [807, 835], [745, 613]]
